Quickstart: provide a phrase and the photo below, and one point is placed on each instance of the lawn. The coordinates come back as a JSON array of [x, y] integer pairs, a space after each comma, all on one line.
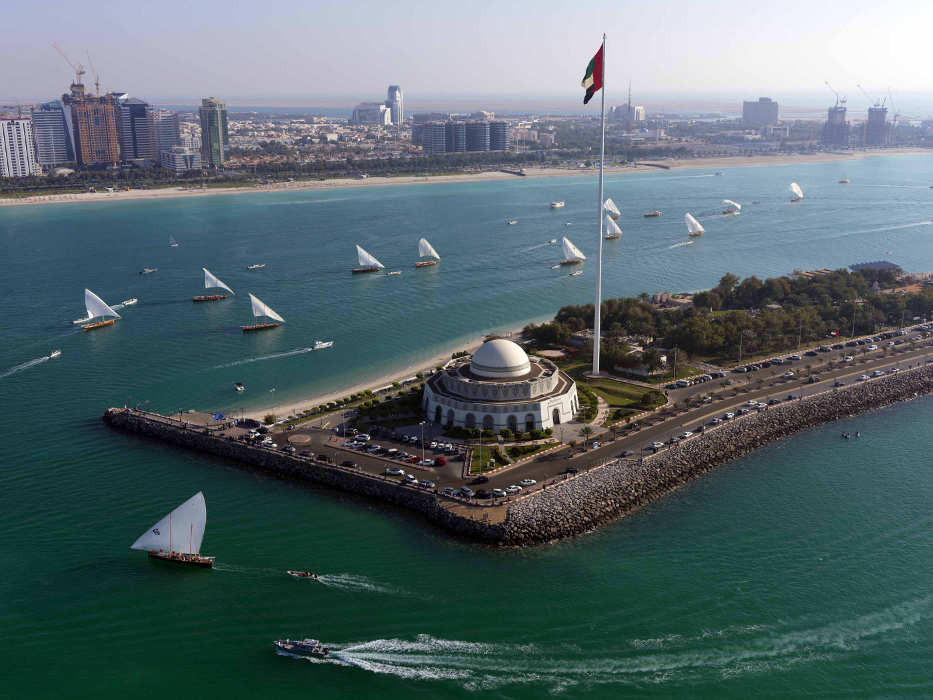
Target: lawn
[[616, 394], [481, 457]]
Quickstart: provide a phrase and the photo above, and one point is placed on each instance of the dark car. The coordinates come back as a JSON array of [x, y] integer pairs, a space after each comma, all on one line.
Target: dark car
[[810, 353], [813, 379], [480, 480], [348, 463], [625, 453], [571, 470], [483, 493], [838, 346]]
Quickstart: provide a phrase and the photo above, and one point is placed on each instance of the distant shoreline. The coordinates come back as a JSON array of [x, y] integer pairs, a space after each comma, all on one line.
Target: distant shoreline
[[489, 176]]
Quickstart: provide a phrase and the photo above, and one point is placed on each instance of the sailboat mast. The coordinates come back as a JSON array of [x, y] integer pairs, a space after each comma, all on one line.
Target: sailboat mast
[[599, 245], [170, 548]]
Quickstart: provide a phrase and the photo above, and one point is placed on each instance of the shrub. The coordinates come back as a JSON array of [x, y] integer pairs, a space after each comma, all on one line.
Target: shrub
[[537, 434], [420, 375], [396, 385], [506, 434], [269, 419]]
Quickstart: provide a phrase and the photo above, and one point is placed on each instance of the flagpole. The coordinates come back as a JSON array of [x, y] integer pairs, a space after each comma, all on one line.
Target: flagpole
[[599, 249]]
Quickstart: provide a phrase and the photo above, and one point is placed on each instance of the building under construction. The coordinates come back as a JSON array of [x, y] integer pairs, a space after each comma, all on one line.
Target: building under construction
[[94, 119], [876, 128], [836, 128]]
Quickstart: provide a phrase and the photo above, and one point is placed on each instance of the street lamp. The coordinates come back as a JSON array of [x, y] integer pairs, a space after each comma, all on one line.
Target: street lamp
[[422, 439]]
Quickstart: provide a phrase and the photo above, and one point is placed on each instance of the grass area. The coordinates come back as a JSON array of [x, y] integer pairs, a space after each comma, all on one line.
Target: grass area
[[682, 372], [522, 451], [616, 394], [481, 457]]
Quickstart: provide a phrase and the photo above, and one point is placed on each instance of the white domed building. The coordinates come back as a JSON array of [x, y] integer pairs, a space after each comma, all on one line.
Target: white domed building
[[500, 386]]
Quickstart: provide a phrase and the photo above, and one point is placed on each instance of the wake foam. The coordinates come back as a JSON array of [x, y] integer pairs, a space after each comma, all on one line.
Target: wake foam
[[358, 584], [680, 245], [24, 366], [261, 358]]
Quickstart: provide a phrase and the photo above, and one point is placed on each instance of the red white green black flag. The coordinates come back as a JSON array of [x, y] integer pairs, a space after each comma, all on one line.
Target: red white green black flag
[[593, 80]]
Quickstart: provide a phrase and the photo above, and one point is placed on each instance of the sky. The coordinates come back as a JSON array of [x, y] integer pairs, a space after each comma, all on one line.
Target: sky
[[504, 52]]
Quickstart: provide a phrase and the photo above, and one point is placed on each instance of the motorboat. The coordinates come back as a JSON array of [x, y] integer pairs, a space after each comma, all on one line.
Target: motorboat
[[651, 214], [148, 270], [393, 273], [55, 353], [323, 344], [256, 266], [129, 302], [238, 386], [512, 222], [574, 274], [302, 574], [558, 205], [844, 181], [301, 647]]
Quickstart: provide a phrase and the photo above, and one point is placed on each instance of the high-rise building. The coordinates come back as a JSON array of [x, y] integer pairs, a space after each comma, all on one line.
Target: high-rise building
[[434, 137], [395, 104], [836, 128], [17, 148], [166, 133], [498, 136], [482, 115], [764, 112], [178, 159], [477, 136], [876, 128], [135, 127], [94, 124], [371, 113], [455, 139], [51, 125], [214, 136], [628, 114]]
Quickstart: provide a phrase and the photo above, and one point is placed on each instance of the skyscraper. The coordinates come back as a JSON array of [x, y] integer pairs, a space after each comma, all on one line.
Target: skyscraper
[[135, 128], [395, 104], [166, 133], [51, 124], [434, 137], [836, 128], [371, 113], [764, 112], [498, 136], [455, 137], [477, 136], [94, 123], [17, 148], [214, 135], [876, 128]]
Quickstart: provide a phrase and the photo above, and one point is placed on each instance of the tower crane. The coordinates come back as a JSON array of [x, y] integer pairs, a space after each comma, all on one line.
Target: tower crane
[[872, 101], [77, 68], [839, 100], [96, 76]]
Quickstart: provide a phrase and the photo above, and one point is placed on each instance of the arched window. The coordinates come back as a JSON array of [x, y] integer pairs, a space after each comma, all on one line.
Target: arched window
[[529, 422], [556, 416], [470, 420], [513, 424], [488, 422], [437, 414]]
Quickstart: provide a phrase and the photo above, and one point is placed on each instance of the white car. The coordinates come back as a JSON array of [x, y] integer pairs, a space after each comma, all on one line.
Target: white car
[[863, 378], [514, 488], [872, 347], [527, 482], [729, 415], [848, 358], [426, 463], [395, 471], [657, 445], [410, 478], [788, 374], [498, 493], [594, 446], [684, 436]]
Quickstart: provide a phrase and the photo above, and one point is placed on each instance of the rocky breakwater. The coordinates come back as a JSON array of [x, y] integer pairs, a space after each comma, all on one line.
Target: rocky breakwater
[[619, 487], [305, 468]]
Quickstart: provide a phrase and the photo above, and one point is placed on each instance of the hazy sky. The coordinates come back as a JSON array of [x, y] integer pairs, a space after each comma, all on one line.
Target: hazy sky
[[320, 53]]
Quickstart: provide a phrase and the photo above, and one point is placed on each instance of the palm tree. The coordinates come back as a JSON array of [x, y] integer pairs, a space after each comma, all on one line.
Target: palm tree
[[586, 431]]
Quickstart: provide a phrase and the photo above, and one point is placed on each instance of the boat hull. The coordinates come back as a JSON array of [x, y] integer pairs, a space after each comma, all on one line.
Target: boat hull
[[651, 214], [613, 236], [188, 559], [694, 235], [425, 263], [362, 270], [99, 324], [571, 262], [209, 297], [796, 199], [259, 327]]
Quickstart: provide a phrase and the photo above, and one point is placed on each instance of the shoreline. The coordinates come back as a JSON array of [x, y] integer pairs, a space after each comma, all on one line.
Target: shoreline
[[173, 191]]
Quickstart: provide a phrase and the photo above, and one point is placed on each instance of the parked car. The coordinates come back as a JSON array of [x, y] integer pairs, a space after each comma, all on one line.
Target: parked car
[[395, 471], [439, 461], [729, 415], [848, 358], [483, 493], [813, 379], [425, 484], [498, 493], [657, 445], [594, 446], [788, 375], [514, 488], [410, 478], [426, 463], [348, 463], [466, 492], [527, 482], [839, 382], [685, 435], [449, 491]]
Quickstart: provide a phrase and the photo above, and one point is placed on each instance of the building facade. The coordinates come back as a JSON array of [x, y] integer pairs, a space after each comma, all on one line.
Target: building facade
[[764, 112], [498, 388], [52, 129], [166, 132], [499, 136], [135, 129], [477, 136], [94, 123], [179, 159], [876, 128], [455, 140], [434, 137], [371, 113], [836, 128], [214, 136], [395, 104], [17, 148]]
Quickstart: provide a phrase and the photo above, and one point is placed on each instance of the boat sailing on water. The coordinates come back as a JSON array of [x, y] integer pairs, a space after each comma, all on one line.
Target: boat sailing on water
[[301, 647], [694, 229], [302, 574], [260, 309], [323, 344], [611, 209], [256, 266], [557, 205], [613, 231], [97, 308], [367, 262], [172, 243], [212, 282], [796, 191], [426, 250], [730, 207], [572, 254], [652, 214], [177, 537], [148, 270], [55, 353]]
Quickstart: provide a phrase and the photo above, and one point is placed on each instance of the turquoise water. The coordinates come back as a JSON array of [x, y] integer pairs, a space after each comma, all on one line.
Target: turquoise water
[[801, 569]]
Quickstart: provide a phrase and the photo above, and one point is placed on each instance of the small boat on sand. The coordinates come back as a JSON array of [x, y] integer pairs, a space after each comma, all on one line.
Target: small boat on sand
[[301, 647], [572, 254], [177, 537], [302, 574], [212, 282], [427, 254], [651, 214], [260, 309], [256, 266], [367, 262]]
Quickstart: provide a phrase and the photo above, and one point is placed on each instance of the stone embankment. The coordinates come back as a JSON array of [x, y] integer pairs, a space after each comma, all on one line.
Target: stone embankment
[[619, 487], [575, 505]]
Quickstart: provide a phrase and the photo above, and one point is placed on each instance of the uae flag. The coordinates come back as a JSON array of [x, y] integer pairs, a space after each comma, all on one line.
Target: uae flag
[[593, 80]]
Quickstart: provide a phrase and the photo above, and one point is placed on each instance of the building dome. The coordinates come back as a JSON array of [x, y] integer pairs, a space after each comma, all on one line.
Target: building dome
[[500, 358]]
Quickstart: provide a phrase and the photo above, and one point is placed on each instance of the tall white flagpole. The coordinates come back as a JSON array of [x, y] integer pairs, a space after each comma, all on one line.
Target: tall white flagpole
[[599, 249]]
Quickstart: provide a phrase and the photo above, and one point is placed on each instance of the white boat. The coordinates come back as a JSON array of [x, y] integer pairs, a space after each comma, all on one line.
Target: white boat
[[393, 273], [553, 240], [212, 282], [557, 205], [55, 353], [611, 209], [148, 270], [574, 274], [796, 191], [323, 344], [613, 231], [427, 254], [367, 262], [572, 254], [97, 308], [172, 243], [694, 229], [512, 222], [129, 302], [238, 386], [256, 266], [261, 309], [177, 537], [730, 207]]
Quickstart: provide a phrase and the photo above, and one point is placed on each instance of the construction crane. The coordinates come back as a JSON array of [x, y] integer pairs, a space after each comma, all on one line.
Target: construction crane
[[874, 102], [839, 100], [96, 76], [78, 69]]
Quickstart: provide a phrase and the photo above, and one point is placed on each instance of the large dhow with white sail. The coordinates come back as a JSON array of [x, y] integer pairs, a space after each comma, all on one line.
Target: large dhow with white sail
[[367, 262], [611, 209], [427, 254], [98, 312], [177, 537], [730, 207], [694, 229], [572, 254], [212, 282], [262, 310], [796, 191], [613, 232]]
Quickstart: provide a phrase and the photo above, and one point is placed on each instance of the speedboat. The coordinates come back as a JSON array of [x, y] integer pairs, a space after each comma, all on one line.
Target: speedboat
[[129, 302], [844, 181], [574, 274], [257, 266], [323, 344], [239, 386], [55, 353], [301, 647], [651, 214], [393, 272], [512, 222], [553, 240], [557, 205], [302, 574], [148, 270]]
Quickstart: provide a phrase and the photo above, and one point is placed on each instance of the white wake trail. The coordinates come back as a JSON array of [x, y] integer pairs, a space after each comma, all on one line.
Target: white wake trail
[[680, 245], [261, 358], [25, 365], [358, 584]]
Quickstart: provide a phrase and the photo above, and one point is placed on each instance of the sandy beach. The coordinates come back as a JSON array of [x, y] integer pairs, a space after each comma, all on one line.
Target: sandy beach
[[340, 183]]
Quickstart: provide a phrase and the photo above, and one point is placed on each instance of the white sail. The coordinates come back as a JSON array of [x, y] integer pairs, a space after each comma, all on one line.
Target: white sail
[[212, 282], [571, 252], [367, 260], [180, 531], [795, 188], [693, 226], [425, 248], [611, 207], [96, 306], [612, 226], [261, 309], [733, 205]]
